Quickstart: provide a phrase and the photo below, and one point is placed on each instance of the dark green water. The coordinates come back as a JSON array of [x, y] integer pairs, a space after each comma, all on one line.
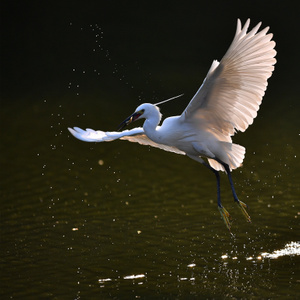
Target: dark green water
[[72, 228], [120, 220]]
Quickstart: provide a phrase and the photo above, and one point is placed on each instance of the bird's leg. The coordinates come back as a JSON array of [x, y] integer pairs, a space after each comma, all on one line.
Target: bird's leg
[[241, 204], [224, 213]]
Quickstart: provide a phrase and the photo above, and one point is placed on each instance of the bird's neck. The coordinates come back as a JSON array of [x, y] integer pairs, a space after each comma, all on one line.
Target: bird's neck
[[150, 127]]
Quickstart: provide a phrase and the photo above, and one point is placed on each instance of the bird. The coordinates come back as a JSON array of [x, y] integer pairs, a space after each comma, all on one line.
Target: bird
[[226, 102]]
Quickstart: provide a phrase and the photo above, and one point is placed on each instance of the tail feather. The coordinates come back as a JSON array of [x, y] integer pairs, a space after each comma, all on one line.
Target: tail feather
[[235, 156]]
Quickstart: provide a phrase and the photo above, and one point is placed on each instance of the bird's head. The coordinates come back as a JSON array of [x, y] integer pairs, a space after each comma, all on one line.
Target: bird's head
[[143, 111]]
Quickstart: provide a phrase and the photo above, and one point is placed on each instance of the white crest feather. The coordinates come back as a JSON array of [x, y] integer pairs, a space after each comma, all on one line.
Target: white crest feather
[[164, 101]]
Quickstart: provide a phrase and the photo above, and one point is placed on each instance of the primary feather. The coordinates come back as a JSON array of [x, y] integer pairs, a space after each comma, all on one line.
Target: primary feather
[[232, 91]]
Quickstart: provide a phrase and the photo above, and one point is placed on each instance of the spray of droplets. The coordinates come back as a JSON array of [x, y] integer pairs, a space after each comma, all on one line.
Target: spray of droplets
[[118, 70]]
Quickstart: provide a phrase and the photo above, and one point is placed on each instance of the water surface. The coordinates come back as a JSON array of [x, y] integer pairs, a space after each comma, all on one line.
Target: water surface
[[121, 220]]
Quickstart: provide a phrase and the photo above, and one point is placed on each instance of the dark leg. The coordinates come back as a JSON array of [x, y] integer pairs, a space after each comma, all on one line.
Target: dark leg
[[235, 197], [241, 204], [224, 213]]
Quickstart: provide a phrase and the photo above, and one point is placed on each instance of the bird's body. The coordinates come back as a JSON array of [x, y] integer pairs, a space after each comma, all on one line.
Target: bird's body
[[184, 138], [227, 101]]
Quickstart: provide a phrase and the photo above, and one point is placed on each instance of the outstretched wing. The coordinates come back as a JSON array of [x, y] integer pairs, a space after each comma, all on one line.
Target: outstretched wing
[[134, 135], [91, 135], [232, 91]]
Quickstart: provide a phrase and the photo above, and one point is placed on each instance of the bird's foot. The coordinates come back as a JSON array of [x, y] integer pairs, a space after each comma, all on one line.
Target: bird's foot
[[243, 207], [225, 216]]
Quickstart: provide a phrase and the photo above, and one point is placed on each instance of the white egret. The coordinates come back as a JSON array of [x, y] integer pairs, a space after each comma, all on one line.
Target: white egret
[[226, 102]]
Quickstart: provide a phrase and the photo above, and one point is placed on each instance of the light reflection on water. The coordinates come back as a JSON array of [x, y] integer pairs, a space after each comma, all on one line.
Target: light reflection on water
[[290, 249]]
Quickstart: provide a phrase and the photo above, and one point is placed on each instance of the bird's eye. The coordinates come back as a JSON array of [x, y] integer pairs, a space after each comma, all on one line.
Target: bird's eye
[[141, 111]]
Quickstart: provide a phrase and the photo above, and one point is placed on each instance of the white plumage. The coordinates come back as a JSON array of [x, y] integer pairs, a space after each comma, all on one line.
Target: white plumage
[[226, 102]]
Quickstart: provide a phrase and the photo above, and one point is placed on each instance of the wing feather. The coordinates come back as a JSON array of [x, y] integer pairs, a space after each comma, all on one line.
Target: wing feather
[[134, 135], [144, 140], [230, 96]]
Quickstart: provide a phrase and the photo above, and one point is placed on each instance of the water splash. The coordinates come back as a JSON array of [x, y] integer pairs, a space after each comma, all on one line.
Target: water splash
[[292, 248]]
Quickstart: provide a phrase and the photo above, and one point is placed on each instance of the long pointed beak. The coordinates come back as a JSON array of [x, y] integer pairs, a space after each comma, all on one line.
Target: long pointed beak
[[129, 120]]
